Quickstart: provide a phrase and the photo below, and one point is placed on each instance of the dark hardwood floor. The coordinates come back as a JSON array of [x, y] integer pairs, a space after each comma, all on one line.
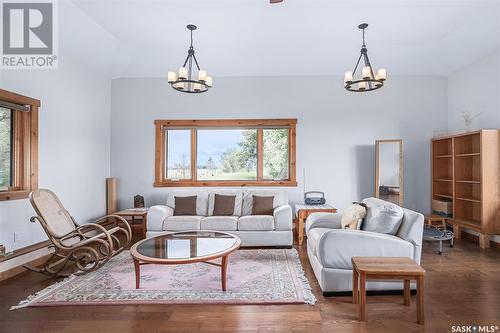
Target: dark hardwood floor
[[462, 288]]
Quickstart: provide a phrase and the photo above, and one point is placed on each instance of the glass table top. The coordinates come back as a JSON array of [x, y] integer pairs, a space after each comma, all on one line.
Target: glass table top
[[187, 245]]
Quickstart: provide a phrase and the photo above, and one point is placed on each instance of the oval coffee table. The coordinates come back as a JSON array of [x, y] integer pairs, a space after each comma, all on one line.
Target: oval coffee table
[[185, 247]]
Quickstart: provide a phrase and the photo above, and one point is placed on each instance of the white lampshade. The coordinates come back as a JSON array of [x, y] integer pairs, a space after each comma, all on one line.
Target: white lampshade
[[180, 85], [366, 72], [362, 85], [183, 73], [202, 75], [171, 77], [382, 74], [348, 77], [208, 81], [197, 87], [377, 84]]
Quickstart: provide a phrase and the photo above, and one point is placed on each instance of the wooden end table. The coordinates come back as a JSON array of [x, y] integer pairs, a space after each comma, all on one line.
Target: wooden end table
[[387, 268], [303, 211], [133, 214]]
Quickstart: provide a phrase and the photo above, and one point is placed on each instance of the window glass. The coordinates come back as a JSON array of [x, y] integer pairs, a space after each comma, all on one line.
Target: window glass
[[5, 148], [275, 154], [227, 154], [178, 154]]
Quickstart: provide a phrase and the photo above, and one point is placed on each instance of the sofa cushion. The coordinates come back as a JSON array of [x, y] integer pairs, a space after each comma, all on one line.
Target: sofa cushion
[[201, 199], [185, 205], [256, 223], [382, 216], [175, 223], [262, 205], [280, 199], [224, 205], [238, 200], [224, 223]]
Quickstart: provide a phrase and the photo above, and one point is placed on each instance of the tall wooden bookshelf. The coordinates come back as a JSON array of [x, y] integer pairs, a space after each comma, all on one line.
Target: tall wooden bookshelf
[[466, 171]]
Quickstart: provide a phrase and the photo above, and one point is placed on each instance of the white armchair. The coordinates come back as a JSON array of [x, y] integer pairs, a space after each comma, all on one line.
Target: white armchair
[[331, 248]]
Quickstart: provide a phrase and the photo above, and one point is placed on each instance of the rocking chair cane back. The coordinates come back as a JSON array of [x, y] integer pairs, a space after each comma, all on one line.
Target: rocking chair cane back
[[88, 246]]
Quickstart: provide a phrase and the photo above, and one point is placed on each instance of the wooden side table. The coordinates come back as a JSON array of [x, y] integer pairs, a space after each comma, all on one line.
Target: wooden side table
[[303, 211], [133, 214], [387, 268]]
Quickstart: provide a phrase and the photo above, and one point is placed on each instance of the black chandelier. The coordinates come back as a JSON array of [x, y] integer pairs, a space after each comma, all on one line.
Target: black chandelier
[[368, 80], [185, 81]]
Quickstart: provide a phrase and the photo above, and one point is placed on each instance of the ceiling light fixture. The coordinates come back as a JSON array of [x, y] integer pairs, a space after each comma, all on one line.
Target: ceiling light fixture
[[368, 80], [184, 81]]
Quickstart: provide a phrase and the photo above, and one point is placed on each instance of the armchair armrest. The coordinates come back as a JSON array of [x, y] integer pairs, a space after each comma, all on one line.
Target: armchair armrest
[[156, 216], [283, 218], [323, 220], [336, 247]]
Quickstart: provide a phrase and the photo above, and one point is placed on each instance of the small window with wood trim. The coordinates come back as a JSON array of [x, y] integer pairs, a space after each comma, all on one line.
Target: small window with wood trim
[[18, 145], [251, 152]]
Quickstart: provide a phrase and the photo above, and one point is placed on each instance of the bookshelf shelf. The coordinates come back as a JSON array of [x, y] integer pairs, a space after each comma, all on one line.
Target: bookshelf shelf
[[465, 176]]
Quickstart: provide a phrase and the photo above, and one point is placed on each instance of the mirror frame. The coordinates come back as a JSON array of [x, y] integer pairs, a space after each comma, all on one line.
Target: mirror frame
[[377, 171]]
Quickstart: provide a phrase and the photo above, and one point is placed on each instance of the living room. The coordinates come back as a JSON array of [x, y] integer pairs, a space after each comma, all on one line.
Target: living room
[[146, 110]]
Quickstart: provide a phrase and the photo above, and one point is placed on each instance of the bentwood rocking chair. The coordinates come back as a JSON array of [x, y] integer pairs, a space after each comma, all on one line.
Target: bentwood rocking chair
[[88, 246]]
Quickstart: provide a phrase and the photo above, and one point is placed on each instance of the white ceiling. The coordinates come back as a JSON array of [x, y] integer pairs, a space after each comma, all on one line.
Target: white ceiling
[[254, 38]]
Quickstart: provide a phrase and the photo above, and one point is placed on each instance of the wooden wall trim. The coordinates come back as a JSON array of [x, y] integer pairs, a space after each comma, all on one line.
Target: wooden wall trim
[[25, 250], [20, 269]]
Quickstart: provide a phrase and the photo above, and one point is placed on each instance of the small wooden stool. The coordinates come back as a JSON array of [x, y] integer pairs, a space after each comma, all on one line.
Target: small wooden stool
[[387, 268], [434, 218]]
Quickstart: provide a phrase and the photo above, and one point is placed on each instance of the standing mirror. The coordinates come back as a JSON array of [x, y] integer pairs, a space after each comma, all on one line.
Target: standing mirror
[[389, 170]]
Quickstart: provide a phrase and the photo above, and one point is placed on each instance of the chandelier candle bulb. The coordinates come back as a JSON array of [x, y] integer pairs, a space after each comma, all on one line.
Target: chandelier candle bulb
[[202, 75], [382, 74], [348, 77], [362, 85], [183, 73], [367, 72], [197, 87], [171, 77], [209, 81]]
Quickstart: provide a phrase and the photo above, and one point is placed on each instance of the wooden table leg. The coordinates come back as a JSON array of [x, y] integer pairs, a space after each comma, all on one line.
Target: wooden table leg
[[224, 272], [407, 292], [137, 267], [362, 297], [420, 300], [355, 287], [144, 225], [300, 227]]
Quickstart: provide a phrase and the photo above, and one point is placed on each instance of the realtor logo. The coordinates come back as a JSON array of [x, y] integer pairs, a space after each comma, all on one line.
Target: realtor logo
[[28, 35]]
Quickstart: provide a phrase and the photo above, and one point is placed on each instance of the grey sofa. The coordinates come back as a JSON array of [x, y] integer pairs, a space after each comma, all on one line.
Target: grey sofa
[[331, 248], [254, 230]]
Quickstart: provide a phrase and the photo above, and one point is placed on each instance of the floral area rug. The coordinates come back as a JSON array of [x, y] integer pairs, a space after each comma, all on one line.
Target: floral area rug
[[267, 276]]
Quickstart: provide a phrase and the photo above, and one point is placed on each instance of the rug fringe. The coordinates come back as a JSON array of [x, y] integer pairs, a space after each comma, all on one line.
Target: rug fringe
[[32, 298], [309, 297]]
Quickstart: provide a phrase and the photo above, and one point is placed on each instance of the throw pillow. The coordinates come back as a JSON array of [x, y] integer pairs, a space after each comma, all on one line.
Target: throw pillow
[[262, 205], [185, 205], [382, 217], [353, 216], [224, 205]]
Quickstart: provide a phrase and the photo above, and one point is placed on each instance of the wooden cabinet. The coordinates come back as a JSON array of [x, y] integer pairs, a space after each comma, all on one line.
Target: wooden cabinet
[[466, 172]]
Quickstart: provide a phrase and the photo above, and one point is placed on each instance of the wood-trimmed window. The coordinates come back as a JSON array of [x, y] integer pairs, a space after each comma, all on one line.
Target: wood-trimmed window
[[18, 145], [239, 152]]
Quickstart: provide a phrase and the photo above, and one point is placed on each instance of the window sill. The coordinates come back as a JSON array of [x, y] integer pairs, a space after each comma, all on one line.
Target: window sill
[[13, 195], [216, 183]]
